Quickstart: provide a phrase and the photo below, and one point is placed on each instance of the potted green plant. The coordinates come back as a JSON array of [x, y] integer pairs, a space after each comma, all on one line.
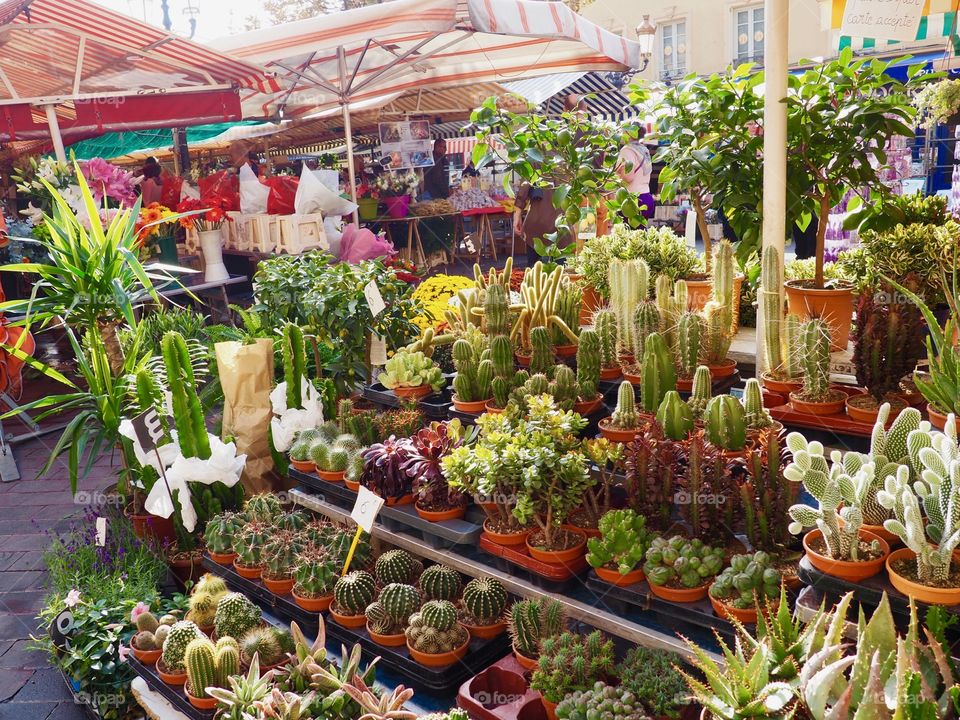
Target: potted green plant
[[471, 386], [434, 500], [654, 680], [625, 422], [249, 543], [605, 326], [269, 644], [411, 375], [315, 574], [384, 473], [218, 536], [571, 662], [540, 292], [680, 570], [208, 666], [531, 622], [600, 699], [352, 593], [389, 616], [334, 454], [747, 583], [675, 417], [170, 666], [725, 426], [484, 602], [779, 335], [617, 555], [589, 398], [204, 597], [817, 397], [434, 636], [279, 558]]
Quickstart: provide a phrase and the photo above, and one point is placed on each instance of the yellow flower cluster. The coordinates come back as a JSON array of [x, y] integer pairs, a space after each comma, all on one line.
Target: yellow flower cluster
[[434, 294]]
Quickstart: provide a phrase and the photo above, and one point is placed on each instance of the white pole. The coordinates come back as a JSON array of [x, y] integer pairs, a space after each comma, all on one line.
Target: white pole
[[347, 128], [776, 63], [55, 136]]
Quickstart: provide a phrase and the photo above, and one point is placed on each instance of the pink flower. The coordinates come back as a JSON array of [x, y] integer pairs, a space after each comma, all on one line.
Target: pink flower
[[123, 652], [139, 610], [72, 598]]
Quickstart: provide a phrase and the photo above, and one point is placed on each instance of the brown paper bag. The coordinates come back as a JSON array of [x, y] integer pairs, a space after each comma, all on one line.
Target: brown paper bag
[[246, 375]]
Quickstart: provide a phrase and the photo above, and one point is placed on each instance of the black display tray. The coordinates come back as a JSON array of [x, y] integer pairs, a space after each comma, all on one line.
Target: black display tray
[[721, 386], [436, 405], [173, 694], [403, 517]]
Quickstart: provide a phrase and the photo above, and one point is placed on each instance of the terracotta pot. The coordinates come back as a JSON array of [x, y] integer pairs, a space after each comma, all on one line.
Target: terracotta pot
[[440, 659], [147, 657], [616, 434], [415, 393], [822, 409], [525, 662], [307, 466], [440, 515], [493, 410], [937, 418], [223, 558], [921, 593], [869, 414], [592, 301], [631, 377], [332, 476], [549, 708], [882, 532], [204, 703], [782, 387], [352, 484], [348, 621], [724, 369], [684, 385], [177, 678], [681, 595], [627, 359], [474, 408], [728, 612], [565, 351], [403, 500], [278, 587], [208, 630], [187, 569], [250, 573], [615, 578], [398, 640], [522, 360], [846, 569], [485, 632], [313, 604], [611, 373], [505, 539], [585, 407], [835, 305], [699, 291], [558, 557], [149, 527]]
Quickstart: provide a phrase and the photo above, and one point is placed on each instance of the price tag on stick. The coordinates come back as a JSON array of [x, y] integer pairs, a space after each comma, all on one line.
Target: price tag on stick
[[374, 298], [365, 511]]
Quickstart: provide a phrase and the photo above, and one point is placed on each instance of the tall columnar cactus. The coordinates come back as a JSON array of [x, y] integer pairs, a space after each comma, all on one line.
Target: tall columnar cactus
[[440, 582], [671, 300], [564, 388], [187, 410], [532, 621], [792, 348], [646, 321], [354, 591], [658, 374], [701, 393], [717, 336], [689, 338], [815, 352], [588, 365], [474, 375], [755, 414], [629, 282], [496, 310], [770, 298], [605, 324], [542, 359], [625, 415], [722, 277], [567, 308], [485, 599], [227, 660], [201, 663], [675, 417], [294, 363], [724, 423]]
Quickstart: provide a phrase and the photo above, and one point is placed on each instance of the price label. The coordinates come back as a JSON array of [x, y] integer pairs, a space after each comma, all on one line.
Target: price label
[[374, 298], [366, 508], [101, 531], [378, 350]]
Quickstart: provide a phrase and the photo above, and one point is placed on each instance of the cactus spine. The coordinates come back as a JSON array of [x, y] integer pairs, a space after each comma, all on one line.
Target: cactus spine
[[701, 393], [659, 376], [646, 321], [567, 308], [605, 324], [625, 415], [397, 566], [671, 300], [755, 414], [187, 411], [399, 602], [815, 354], [689, 335], [541, 359], [485, 599], [724, 423], [629, 282], [200, 660], [588, 365], [294, 363], [771, 310], [564, 387]]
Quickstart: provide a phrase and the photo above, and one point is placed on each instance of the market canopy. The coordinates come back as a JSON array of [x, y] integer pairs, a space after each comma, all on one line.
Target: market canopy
[[102, 71]]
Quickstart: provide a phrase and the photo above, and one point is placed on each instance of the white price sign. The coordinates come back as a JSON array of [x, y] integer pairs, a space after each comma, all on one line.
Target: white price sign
[[374, 298], [366, 508]]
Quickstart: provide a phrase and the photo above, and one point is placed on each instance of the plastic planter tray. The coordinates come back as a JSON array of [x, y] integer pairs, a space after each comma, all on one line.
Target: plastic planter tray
[[516, 560], [435, 406], [839, 424], [501, 692], [672, 614], [401, 518], [172, 694], [480, 654]]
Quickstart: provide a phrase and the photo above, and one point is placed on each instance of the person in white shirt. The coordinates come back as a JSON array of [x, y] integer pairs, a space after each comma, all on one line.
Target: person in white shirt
[[635, 168]]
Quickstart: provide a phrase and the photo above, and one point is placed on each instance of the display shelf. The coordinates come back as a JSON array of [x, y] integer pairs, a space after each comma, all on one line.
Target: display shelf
[[173, 694], [473, 563], [435, 406], [552, 577]]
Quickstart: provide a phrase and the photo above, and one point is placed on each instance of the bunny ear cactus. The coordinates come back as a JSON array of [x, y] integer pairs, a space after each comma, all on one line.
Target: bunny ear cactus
[[701, 393], [629, 282], [294, 363], [935, 458], [187, 410], [675, 417], [588, 365], [659, 375], [605, 325]]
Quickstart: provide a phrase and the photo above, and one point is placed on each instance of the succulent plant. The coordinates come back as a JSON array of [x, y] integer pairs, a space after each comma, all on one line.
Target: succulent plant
[[605, 325], [203, 602], [434, 629], [440, 582], [201, 664], [588, 365], [675, 417], [601, 701], [354, 592], [147, 622], [484, 600], [262, 507], [425, 451], [724, 423], [397, 566], [659, 375], [629, 282], [681, 562], [766, 495], [245, 693], [689, 338], [755, 415], [533, 621], [393, 608], [650, 474], [652, 677], [814, 352], [748, 582], [771, 305], [623, 542], [474, 372], [571, 662], [175, 646], [235, 615], [294, 363], [335, 453], [315, 572], [707, 493], [567, 308], [625, 416], [383, 469], [541, 357], [410, 369], [300, 451], [220, 531], [227, 660], [263, 642], [280, 553], [146, 640], [701, 393], [646, 321], [249, 542]]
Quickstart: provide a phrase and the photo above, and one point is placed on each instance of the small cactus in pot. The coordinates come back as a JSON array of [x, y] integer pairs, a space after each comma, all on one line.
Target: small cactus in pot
[[397, 566], [701, 392], [474, 371], [314, 573], [440, 582], [220, 532], [675, 417], [235, 615], [434, 629], [605, 325], [180, 636], [353, 592], [659, 375], [484, 601], [390, 614], [754, 413], [249, 543], [724, 423]]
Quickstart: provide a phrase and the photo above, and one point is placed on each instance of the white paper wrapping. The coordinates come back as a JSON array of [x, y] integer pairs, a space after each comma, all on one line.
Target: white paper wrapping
[[289, 421]]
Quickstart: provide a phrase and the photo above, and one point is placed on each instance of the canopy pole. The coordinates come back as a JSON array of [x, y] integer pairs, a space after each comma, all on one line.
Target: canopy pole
[[55, 136], [776, 63], [347, 129]]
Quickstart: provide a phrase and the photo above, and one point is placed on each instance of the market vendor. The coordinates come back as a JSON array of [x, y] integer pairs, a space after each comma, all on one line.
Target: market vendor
[[151, 187], [535, 216], [635, 167], [436, 179]]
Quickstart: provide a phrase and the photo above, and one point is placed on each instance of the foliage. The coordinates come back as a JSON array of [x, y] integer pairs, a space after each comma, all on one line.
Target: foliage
[[652, 677], [383, 469], [409, 370], [601, 700], [623, 542], [914, 209], [937, 102], [571, 662]]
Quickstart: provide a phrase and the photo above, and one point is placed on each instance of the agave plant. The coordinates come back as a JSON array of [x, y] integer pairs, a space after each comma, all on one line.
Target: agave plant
[[245, 693]]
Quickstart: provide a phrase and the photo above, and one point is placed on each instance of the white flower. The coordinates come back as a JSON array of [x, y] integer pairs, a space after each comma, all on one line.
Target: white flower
[[290, 421], [72, 598]]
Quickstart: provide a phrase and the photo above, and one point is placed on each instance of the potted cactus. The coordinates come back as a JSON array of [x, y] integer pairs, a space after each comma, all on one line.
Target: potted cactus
[[411, 374], [779, 335], [434, 500], [484, 601], [300, 458], [617, 555], [648, 319], [170, 666], [626, 422], [839, 545], [755, 415], [147, 642], [235, 616], [397, 566], [629, 282], [689, 344], [219, 535], [749, 582], [440, 582], [203, 602], [675, 417], [352, 593], [700, 393], [434, 638], [471, 386], [279, 557], [505, 377], [720, 314], [540, 294], [209, 666], [266, 643], [605, 326], [530, 623], [725, 426], [680, 570], [589, 397], [569, 663], [389, 616], [249, 543], [334, 454], [817, 396]]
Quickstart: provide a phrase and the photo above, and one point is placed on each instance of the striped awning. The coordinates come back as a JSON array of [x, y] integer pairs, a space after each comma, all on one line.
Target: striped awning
[[391, 48], [939, 22]]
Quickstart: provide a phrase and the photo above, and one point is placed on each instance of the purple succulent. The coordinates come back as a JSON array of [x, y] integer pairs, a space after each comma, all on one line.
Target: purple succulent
[[383, 468], [426, 449]]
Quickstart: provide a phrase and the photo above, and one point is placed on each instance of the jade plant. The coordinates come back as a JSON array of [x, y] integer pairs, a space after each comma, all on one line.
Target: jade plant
[[572, 662], [484, 601], [724, 423], [675, 417], [623, 542], [474, 369], [407, 369], [682, 563], [533, 621], [748, 582], [434, 628]]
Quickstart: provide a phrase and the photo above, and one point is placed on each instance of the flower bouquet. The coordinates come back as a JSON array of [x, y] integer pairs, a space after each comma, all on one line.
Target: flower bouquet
[[405, 270], [207, 216], [368, 201], [156, 226], [396, 190]]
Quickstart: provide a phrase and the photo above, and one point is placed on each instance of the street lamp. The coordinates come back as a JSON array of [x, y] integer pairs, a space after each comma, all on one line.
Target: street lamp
[[646, 34]]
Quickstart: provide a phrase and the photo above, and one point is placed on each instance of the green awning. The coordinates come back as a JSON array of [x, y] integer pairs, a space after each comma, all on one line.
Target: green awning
[[113, 145]]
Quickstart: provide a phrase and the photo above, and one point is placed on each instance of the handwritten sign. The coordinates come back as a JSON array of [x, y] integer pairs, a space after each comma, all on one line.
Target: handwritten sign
[[378, 350], [882, 19], [149, 429], [374, 298], [366, 508]]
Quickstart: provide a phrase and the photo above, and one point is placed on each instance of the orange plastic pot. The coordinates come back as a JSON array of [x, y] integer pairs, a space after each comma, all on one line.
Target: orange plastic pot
[[681, 595], [440, 515], [351, 484], [724, 369], [485, 632], [565, 351], [522, 360], [615, 578], [204, 703], [558, 557], [861, 414], [921, 593], [881, 532], [348, 621], [147, 657], [170, 678], [585, 407], [473, 408], [505, 539], [781, 387], [307, 466], [492, 410], [835, 305], [250, 573], [684, 385], [223, 558], [313, 604], [398, 640], [549, 708], [525, 662], [632, 377], [416, 392], [821, 409], [611, 373], [937, 419], [278, 587], [616, 434], [846, 569], [728, 612], [402, 500], [440, 659], [333, 476], [699, 291]]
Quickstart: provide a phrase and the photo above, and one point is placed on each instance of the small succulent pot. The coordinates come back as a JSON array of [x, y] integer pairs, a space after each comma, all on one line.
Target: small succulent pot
[[222, 558], [550, 708], [854, 571], [510, 539], [559, 557], [631, 373], [834, 406], [614, 373], [281, 586], [436, 660], [306, 466], [729, 612], [146, 657], [396, 640], [722, 370], [586, 407], [440, 515], [348, 621], [415, 393], [316, 605], [332, 476], [522, 360], [681, 595], [915, 590], [685, 385], [937, 418], [351, 484], [492, 409], [402, 500], [615, 578], [476, 407], [781, 387], [485, 632], [526, 663], [864, 408], [171, 678], [614, 434], [565, 351], [250, 573], [204, 703]]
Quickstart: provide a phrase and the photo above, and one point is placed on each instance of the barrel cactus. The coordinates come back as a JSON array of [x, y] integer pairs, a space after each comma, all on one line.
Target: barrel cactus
[[261, 642], [315, 572], [434, 629], [484, 599], [400, 602], [397, 566], [440, 582], [236, 614], [353, 592], [220, 531], [175, 646]]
